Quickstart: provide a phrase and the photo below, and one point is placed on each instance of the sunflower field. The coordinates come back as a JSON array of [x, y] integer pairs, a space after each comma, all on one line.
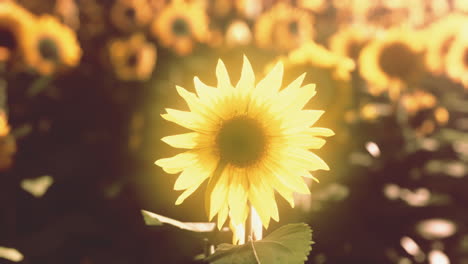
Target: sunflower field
[[233, 131]]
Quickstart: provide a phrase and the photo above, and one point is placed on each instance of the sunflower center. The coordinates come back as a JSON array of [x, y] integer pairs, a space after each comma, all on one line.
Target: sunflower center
[[130, 12], [132, 60], [241, 141], [293, 27], [7, 39], [180, 27], [353, 49], [397, 60], [48, 49]]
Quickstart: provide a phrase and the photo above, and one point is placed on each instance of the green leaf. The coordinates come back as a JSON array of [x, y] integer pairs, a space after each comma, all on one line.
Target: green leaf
[[289, 244]]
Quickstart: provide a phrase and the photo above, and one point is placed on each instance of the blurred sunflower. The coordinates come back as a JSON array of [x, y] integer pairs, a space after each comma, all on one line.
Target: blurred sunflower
[[133, 58], [248, 141], [130, 15], [443, 32], [392, 61], [14, 23], [283, 28], [51, 45], [348, 41], [179, 25], [423, 112], [249, 9], [457, 58]]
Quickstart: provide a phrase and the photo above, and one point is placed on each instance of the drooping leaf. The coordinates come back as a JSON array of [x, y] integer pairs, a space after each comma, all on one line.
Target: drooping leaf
[[289, 244], [153, 219]]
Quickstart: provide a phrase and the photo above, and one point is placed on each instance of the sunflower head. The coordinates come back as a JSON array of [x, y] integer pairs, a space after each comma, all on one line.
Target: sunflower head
[[133, 58], [180, 25], [249, 141], [284, 28], [51, 45], [393, 61]]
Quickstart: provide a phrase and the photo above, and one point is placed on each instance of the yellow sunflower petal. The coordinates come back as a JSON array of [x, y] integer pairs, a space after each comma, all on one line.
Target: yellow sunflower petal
[[306, 141], [224, 82], [222, 216], [178, 162], [302, 120], [260, 198], [237, 197], [287, 177], [195, 175], [320, 131], [270, 85], [247, 79], [309, 160], [219, 194], [188, 120], [186, 194], [303, 96], [188, 140], [207, 94]]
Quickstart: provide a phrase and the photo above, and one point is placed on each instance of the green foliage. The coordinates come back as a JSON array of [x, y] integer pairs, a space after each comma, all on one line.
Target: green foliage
[[289, 244]]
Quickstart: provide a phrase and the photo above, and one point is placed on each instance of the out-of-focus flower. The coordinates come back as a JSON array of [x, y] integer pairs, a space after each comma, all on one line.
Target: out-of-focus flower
[[348, 41], [179, 25], [130, 15], [51, 45], [133, 58], [249, 140], [457, 58], [443, 32], [392, 61], [238, 33], [221, 8], [424, 112], [15, 21], [7, 143], [283, 28]]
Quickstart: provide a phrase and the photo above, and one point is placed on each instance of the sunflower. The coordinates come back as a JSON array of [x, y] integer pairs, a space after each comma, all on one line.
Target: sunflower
[[444, 32], [392, 61], [457, 58], [348, 41], [283, 28], [179, 25], [51, 45], [133, 58], [130, 15], [14, 23], [248, 141]]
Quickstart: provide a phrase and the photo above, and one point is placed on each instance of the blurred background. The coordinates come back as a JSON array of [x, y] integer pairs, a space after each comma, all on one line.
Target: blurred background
[[83, 84]]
